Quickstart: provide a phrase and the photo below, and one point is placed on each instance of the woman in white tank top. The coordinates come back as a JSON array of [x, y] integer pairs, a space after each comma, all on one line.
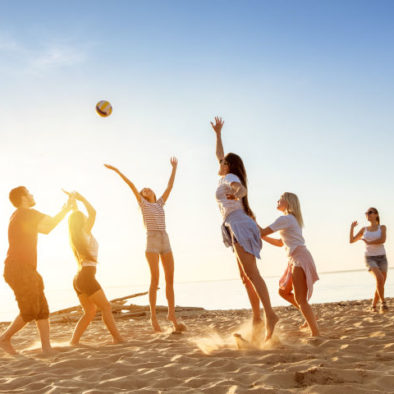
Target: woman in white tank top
[[374, 237], [90, 293]]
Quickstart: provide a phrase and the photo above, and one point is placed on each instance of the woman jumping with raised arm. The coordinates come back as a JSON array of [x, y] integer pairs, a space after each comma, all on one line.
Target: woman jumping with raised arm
[[240, 230], [301, 273], [374, 237], [157, 244], [89, 291]]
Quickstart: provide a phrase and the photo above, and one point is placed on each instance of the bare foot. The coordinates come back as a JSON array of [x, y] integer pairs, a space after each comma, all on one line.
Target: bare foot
[[7, 347], [305, 324], [179, 327], [155, 325], [50, 352], [115, 341], [270, 325]]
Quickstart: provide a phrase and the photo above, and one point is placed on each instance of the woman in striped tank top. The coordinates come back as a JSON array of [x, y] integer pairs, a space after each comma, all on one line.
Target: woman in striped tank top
[[157, 244], [374, 237]]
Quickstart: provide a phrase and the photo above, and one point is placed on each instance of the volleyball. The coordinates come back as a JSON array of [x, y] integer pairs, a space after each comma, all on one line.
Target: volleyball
[[104, 108]]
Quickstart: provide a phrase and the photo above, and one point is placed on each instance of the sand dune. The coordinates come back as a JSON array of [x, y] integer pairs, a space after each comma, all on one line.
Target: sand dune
[[355, 354]]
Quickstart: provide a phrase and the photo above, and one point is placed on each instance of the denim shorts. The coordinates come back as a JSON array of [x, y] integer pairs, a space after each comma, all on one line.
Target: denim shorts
[[376, 262], [158, 242]]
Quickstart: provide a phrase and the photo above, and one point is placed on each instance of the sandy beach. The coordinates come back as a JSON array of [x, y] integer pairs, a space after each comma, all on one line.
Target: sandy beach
[[355, 354]]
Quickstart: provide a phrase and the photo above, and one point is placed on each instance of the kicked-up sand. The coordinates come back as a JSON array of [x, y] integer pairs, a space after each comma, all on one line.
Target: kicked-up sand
[[355, 354]]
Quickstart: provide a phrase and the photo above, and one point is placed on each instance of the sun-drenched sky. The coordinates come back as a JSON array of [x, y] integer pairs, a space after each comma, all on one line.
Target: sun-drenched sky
[[306, 89]]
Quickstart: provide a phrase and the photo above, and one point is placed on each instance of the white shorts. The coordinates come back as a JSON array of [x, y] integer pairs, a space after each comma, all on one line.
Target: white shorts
[[157, 242]]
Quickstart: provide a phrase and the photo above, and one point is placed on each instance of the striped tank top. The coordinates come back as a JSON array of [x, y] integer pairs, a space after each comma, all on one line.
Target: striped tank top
[[153, 214]]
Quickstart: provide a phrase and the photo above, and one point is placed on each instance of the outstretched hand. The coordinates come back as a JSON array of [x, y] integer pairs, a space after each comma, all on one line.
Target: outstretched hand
[[71, 203], [111, 167], [174, 162], [354, 224], [217, 127], [74, 195]]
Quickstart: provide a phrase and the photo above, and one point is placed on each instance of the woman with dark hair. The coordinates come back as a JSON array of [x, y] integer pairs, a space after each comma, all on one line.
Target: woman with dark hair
[[374, 237], [89, 291], [240, 230]]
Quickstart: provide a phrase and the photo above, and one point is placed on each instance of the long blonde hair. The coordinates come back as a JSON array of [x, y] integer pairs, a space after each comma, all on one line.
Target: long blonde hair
[[294, 207], [76, 222]]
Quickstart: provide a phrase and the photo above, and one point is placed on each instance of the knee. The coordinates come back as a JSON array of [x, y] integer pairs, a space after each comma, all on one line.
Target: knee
[[106, 308], [282, 292], [91, 312], [154, 281], [301, 301]]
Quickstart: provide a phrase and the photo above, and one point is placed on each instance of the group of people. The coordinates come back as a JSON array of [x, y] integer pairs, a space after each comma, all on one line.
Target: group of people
[[240, 231]]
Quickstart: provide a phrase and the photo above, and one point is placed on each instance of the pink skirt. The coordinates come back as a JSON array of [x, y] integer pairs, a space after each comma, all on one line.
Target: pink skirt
[[300, 257]]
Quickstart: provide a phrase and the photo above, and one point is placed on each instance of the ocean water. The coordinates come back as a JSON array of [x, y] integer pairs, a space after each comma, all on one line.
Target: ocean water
[[225, 294]]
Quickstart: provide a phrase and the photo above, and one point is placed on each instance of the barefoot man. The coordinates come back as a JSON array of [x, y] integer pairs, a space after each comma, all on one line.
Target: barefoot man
[[20, 270]]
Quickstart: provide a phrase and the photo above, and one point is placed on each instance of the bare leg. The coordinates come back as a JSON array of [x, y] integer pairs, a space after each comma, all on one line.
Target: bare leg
[[167, 260], [13, 328], [43, 329], [380, 280], [253, 296], [300, 295], [89, 311], [101, 301], [153, 261], [248, 263], [287, 293]]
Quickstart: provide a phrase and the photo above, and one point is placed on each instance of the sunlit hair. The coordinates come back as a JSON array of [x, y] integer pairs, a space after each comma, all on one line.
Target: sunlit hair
[[154, 195], [78, 241], [377, 213], [294, 207], [16, 195], [236, 167]]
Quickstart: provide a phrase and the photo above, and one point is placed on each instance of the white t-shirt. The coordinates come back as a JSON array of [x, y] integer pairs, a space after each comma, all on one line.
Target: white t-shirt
[[227, 206], [153, 214], [289, 231]]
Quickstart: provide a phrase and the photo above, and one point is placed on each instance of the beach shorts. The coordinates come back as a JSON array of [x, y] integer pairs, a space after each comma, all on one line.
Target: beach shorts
[[240, 228], [85, 281], [28, 288], [376, 262], [157, 242]]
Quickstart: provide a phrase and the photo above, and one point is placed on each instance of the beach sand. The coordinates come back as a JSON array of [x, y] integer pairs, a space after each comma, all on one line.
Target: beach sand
[[355, 354]]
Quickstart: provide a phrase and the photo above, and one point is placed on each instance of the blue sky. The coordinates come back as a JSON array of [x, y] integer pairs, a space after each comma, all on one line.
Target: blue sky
[[306, 90]]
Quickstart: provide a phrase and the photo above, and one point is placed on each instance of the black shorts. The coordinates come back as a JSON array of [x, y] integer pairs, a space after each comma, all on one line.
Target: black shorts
[[85, 281], [28, 288]]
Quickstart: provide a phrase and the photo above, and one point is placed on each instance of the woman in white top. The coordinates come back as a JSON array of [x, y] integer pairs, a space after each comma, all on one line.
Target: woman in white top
[[374, 237], [157, 244], [240, 230], [301, 273], [89, 291]]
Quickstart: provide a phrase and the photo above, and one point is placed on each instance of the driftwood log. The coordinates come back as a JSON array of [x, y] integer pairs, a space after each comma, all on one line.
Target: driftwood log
[[119, 309]]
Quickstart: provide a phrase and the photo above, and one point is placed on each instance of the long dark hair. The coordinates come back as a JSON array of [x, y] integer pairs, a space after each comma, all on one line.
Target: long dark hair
[[76, 223], [236, 167]]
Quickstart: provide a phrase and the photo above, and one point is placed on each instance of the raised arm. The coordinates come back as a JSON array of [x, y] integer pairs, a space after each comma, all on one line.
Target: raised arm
[[353, 238], [380, 240], [91, 211], [127, 180], [48, 223], [217, 127], [174, 164]]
